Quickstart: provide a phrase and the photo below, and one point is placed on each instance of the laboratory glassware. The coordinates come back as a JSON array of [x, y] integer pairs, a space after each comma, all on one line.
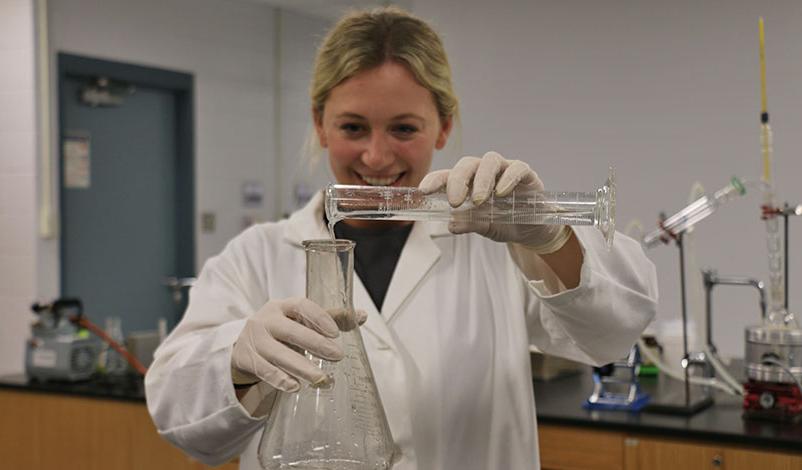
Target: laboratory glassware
[[694, 212], [773, 354], [339, 424], [596, 208], [778, 314], [113, 362]]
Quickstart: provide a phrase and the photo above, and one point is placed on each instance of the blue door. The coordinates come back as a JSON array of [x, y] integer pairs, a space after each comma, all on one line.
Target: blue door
[[124, 223]]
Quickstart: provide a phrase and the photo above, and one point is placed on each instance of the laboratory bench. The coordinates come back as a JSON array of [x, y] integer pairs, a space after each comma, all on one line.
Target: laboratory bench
[[572, 437], [99, 424], [103, 424]]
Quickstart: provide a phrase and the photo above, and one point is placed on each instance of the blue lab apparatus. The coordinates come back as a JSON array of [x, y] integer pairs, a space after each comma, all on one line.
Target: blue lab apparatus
[[616, 386]]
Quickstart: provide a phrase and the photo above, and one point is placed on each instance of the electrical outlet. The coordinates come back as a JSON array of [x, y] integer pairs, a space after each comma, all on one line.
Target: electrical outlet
[[208, 222]]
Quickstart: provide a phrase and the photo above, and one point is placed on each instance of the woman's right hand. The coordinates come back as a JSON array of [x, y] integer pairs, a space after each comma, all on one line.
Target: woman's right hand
[[268, 347]]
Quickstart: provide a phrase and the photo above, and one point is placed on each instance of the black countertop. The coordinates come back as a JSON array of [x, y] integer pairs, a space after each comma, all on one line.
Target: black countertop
[[560, 402], [126, 388]]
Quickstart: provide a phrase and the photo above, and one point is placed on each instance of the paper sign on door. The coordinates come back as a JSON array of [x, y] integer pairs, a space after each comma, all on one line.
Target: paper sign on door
[[77, 162]]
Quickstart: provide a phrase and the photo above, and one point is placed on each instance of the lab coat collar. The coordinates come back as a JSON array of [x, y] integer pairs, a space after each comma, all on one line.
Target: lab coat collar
[[420, 253]]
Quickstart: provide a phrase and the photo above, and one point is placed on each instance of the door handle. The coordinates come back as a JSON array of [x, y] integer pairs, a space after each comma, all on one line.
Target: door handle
[[177, 286]]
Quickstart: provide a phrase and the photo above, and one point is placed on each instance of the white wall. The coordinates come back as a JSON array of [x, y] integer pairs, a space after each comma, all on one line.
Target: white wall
[[17, 178], [300, 35], [228, 46], [667, 92]]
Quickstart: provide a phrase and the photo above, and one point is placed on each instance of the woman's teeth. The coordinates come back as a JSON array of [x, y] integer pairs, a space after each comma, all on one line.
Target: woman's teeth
[[376, 181]]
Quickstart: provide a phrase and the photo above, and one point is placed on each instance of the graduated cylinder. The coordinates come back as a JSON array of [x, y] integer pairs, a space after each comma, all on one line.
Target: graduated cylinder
[[595, 208]]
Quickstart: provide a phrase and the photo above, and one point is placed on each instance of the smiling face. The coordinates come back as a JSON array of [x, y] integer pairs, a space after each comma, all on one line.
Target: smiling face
[[381, 128]]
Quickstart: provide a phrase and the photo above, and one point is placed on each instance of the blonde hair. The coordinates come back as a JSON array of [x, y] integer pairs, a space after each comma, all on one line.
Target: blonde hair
[[364, 40]]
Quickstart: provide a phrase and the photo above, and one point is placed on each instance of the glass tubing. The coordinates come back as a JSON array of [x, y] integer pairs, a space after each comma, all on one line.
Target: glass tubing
[[596, 208], [695, 212]]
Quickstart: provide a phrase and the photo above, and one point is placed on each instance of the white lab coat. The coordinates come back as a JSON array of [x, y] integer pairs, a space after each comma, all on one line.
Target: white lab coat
[[449, 349]]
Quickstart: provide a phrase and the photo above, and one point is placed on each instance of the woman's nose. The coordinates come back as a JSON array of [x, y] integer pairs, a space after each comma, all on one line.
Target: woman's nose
[[378, 153]]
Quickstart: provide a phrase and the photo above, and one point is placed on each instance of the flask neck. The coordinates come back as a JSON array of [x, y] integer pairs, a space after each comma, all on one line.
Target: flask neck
[[329, 275]]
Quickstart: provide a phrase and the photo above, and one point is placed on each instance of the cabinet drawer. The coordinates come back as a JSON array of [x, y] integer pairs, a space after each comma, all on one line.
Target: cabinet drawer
[[567, 448], [657, 454]]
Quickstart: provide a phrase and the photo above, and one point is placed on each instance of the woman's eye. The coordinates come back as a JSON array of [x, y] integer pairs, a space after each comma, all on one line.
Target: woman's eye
[[352, 128], [405, 130]]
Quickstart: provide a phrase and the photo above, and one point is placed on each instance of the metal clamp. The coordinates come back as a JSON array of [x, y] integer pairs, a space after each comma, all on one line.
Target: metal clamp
[[711, 279]]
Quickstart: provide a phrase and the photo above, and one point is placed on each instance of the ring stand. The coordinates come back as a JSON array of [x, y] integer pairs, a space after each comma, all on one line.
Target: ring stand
[[693, 398]]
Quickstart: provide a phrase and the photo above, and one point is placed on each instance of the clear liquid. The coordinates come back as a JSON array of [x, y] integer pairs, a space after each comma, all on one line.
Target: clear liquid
[[490, 214], [332, 221], [329, 464], [409, 204], [521, 207]]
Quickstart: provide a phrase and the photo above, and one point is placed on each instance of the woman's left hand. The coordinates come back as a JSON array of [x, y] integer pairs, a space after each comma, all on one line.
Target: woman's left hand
[[481, 177]]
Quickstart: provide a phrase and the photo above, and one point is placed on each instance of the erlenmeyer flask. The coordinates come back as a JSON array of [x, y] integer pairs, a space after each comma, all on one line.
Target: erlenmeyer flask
[[339, 425]]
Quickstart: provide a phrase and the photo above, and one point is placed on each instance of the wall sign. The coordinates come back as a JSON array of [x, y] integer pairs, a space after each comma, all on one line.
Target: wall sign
[[76, 162], [253, 193]]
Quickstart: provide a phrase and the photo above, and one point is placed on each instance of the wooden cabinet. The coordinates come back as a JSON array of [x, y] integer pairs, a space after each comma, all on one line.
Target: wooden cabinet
[[40, 431], [46, 431], [740, 459], [573, 448], [566, 448], [658, 454]]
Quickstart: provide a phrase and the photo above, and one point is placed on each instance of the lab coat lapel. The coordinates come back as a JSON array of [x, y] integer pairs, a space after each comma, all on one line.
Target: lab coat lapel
[[375, 324], [420, 253]]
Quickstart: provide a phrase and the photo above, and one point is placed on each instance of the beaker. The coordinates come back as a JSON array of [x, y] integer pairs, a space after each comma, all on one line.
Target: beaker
[[340, 424], [525, 207]]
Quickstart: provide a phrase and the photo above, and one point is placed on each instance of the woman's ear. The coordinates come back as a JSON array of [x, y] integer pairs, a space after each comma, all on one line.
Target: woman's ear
[[445, 131], [317, 116]]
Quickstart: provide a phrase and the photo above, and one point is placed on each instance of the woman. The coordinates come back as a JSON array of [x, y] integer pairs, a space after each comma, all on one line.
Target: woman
[[449, 318]]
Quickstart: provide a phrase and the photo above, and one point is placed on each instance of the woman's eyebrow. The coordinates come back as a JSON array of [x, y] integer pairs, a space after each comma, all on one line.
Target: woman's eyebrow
[[409, 116], [399, 117], [348, 115]]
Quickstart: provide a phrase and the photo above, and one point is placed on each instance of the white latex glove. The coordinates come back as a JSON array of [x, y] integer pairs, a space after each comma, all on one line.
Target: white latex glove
[[481, 177], [270, 347]]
